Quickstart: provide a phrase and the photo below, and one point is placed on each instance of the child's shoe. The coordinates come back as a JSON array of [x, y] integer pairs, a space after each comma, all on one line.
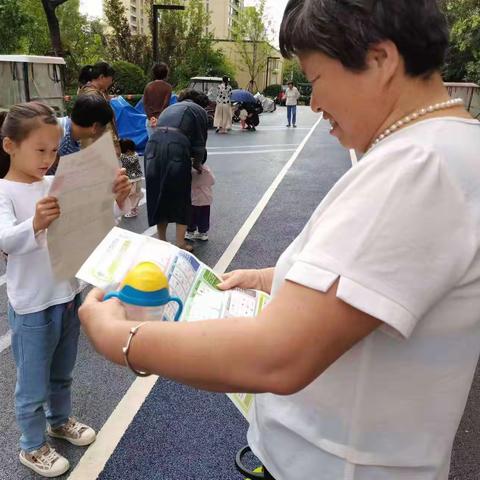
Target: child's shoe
[[131, 214], [190, 235], [203, 237], [74, 432], [45, 461]]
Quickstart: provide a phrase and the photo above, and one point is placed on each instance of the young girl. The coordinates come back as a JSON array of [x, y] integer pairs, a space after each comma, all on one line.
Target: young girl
[[42, 312], [130, 161], [202, 197]]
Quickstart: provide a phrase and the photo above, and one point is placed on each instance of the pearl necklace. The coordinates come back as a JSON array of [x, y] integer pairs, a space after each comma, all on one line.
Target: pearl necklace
[[414, 116]]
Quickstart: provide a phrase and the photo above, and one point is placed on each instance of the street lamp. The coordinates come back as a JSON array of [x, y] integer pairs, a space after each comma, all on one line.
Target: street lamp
[[155, 9]]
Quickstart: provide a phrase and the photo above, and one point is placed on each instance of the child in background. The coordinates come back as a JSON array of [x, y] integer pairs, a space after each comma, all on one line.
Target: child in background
[[202, 197], [243, 118], [42, 312], [131, 163]]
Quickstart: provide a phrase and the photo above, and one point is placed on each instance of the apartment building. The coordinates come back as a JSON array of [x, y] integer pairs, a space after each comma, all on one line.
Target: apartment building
[[137, 12], [222, 16]]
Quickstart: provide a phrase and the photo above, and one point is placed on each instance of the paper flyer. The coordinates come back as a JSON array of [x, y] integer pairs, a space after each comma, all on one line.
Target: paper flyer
[[189, 279], [83, 185]]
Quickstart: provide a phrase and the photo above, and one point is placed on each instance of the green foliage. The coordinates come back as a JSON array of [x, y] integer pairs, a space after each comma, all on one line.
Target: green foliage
[[186, 46], [293, 72], [14, 26], [463, 59], [122, 44], [129, 78], [82, 39], [272, 90], [250, 33]]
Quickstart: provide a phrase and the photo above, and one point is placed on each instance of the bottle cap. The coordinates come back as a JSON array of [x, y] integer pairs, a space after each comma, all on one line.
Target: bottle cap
[[145, 285]]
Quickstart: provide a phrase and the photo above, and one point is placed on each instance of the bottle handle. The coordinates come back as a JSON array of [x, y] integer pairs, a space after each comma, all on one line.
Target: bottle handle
[[179, 309], [111, 295]]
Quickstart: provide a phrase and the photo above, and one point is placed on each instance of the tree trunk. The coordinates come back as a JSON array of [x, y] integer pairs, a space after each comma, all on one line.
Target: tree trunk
[[49, 6]]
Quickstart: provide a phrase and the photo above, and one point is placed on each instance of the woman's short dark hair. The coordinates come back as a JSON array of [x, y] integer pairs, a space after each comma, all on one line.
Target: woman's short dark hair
[[345, 30], [90, 109], [91, 72], [127, 145], [225, 79], [198, 97], [160, 71]]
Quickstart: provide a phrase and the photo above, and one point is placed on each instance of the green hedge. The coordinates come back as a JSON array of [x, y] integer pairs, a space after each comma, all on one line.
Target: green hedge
[[128, 78], [272, 90]]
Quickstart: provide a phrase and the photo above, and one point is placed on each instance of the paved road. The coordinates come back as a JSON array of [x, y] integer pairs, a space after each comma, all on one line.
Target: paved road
[[179, 432]]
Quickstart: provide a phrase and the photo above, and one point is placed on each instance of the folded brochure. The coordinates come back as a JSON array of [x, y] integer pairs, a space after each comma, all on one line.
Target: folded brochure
[[189, 279]]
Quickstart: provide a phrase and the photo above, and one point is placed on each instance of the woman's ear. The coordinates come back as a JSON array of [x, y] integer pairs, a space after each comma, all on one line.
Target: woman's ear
[[385, 58]]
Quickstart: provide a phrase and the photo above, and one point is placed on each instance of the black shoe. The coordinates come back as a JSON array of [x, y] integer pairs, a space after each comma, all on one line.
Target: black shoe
[[294, 126], [288, 125]]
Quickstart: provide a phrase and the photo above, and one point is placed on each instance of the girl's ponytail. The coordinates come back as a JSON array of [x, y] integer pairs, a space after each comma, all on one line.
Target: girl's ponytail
[[4, 156], [85, 75]]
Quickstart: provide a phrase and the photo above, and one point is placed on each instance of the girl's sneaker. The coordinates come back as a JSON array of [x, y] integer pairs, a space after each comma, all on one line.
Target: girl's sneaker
[[190, 235], [74, 432], [131, 214], [203, 237], [45, 461]]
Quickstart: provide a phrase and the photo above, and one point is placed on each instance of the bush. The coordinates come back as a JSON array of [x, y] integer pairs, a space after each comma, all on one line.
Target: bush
[[272, 90], [129, 78]]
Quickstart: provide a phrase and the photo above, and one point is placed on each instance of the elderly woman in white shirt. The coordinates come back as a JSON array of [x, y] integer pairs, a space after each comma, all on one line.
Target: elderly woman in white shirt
[[372, 336]]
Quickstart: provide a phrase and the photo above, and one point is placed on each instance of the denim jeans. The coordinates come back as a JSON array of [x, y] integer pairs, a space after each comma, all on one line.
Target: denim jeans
[[44, 346], [292, 114]]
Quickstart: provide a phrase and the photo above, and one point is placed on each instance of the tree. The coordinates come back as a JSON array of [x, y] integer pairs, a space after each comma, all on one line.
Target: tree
[[463, 58], [293, 72], [249, 31], [185, 44], [122, 44], [14, 26], [49, 7]]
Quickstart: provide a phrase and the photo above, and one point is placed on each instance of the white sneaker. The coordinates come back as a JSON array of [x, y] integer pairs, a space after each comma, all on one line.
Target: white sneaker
[[203, 237], [74, 432], [45, 461], [190, 235]]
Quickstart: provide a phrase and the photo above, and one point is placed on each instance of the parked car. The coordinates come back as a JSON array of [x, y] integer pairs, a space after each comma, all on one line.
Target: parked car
[[208, 86], [28, 77]]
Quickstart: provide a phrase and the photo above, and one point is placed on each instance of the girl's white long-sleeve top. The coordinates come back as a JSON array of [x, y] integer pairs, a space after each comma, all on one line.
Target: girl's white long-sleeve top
[[31, 285]]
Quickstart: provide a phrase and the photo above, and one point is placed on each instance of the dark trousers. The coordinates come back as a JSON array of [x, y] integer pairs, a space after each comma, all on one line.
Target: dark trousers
[[199, 218]]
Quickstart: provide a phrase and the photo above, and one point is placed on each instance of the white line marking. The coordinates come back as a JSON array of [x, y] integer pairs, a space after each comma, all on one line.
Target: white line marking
[[5, 341], [96, 457], [3, 280], [353, 157], [240, 237], [254, 146], [249, 152]]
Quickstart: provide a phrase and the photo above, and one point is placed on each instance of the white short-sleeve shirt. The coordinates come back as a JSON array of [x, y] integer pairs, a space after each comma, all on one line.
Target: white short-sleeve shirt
[[401, 232]]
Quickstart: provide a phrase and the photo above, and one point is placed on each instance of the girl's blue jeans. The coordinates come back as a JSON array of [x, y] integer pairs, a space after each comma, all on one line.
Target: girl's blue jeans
[[44, 346], [292, 114]]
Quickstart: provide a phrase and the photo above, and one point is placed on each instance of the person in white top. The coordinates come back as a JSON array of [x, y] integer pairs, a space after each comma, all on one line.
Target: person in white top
[[42, 312], [291, 100], [372, 336]]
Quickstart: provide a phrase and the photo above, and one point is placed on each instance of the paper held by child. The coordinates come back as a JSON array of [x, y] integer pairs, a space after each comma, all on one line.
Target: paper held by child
[[189, 279], [83, 186]]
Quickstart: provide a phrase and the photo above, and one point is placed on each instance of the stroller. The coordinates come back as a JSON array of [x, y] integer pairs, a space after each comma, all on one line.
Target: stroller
[[253, 114]]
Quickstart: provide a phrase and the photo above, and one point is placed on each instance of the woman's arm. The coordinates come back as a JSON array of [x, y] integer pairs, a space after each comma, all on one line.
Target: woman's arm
[[298, 335]]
